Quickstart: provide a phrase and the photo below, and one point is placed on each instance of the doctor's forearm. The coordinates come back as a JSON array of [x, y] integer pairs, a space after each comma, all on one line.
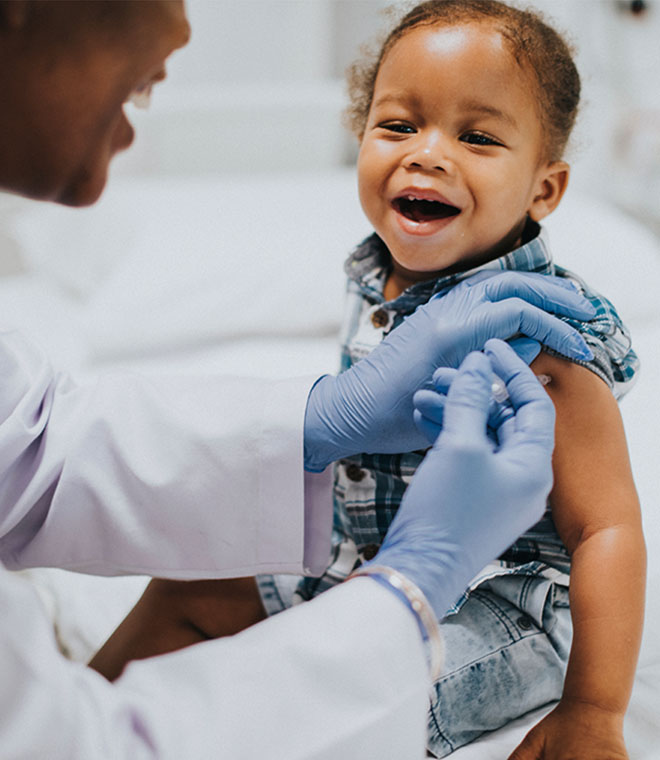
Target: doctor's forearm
[[181, 477], [270, 691], [296, 670]]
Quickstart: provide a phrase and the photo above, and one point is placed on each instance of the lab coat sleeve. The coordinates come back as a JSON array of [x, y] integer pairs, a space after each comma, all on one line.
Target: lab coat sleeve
[[181, 477], [342, 676]]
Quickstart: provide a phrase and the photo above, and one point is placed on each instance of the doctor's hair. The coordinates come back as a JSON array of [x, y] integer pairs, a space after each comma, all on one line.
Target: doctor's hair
[[534, 44]]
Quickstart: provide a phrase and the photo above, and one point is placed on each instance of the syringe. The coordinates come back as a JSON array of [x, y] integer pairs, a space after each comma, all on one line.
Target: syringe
[[501, 394]]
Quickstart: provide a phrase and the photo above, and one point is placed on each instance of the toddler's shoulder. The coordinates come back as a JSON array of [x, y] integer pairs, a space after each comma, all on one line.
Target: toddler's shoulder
[[614, 360]]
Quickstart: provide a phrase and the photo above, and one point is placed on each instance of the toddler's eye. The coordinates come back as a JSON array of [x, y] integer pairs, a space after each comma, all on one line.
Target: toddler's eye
[[398, 127], [479, 138]]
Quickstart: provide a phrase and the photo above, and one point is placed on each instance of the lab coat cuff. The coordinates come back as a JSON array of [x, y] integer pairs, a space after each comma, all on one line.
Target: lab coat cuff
[[318, 521], [287, 495]]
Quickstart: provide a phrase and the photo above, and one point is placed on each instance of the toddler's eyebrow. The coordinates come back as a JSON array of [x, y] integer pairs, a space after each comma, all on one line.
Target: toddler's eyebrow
[[410, 100], [496, 113], [404, 97]]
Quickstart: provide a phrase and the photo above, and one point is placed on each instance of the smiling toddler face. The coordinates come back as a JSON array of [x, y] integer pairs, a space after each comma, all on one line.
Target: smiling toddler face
[[452, 159]]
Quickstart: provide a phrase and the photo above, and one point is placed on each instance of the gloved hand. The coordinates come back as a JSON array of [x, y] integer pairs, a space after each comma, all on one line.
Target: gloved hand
[[470, 498], [369, 408], [430, 405]]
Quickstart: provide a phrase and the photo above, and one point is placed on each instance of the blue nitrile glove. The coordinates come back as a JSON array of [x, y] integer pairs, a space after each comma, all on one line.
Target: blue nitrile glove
[[369, 408], [470, 499], [430, 404]]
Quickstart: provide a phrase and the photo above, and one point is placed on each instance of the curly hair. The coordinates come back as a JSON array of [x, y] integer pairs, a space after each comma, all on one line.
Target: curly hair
[[534, 44]]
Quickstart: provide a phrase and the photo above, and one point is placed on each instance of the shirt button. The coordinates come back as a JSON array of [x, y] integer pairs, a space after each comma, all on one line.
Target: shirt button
[[354, 473], [370, 551], [524, 623], [380, 318]]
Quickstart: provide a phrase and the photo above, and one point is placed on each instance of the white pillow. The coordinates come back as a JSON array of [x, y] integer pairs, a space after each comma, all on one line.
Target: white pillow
[[77, 248], [180, 262], [218, 259]]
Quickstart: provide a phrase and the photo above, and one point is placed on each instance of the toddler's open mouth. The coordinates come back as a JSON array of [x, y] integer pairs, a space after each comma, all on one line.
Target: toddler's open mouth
[[423, 210]]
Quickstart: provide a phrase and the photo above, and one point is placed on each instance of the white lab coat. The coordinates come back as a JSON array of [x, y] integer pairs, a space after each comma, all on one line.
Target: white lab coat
[[185, 479]]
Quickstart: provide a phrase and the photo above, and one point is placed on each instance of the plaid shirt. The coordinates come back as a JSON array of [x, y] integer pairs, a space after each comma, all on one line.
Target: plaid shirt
[[368, 488]]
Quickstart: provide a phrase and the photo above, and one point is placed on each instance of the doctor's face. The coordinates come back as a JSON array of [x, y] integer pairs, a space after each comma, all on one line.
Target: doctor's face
[[66, 70]]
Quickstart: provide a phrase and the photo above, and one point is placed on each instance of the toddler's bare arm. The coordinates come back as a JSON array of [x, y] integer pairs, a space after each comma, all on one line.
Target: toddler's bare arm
[[596, 512]]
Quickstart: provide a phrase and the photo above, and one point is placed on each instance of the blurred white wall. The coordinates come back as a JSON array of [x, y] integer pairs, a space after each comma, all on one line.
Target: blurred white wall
[[253, 91], [616, 148], [260, 88]]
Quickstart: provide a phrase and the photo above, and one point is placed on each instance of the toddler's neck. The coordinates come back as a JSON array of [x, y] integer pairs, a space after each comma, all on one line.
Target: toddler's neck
[[400, 279]]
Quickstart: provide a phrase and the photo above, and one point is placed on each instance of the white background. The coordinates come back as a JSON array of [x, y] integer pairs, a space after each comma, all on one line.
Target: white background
[[260, 87]]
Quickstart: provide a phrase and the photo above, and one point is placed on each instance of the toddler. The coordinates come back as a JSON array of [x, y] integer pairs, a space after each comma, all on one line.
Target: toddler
[[462, 119]]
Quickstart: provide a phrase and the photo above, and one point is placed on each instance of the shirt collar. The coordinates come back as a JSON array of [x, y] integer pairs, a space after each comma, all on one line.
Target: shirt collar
[[369, 265]]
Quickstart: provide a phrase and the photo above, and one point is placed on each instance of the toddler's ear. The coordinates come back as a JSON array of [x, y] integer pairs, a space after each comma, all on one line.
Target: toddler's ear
[[551, 183]]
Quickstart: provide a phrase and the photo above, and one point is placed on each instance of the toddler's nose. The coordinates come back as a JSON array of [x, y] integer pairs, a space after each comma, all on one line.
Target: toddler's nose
[[430, 154]]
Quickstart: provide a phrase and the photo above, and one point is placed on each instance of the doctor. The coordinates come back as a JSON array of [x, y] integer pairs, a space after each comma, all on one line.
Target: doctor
[[212, 477]]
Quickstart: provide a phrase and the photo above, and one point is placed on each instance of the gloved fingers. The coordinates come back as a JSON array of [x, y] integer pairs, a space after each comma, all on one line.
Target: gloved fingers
[[468, 401], [514, 316], [500, 413], [526, 348], [443, 377], [430, 411], [426, 402], [499, 416], [427, 427], [534, 411], [548, 293], [430, 405]]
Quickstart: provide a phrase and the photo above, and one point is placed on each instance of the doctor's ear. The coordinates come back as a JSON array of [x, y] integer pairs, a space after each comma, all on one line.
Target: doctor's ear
[[550, 187], [13, 13]]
